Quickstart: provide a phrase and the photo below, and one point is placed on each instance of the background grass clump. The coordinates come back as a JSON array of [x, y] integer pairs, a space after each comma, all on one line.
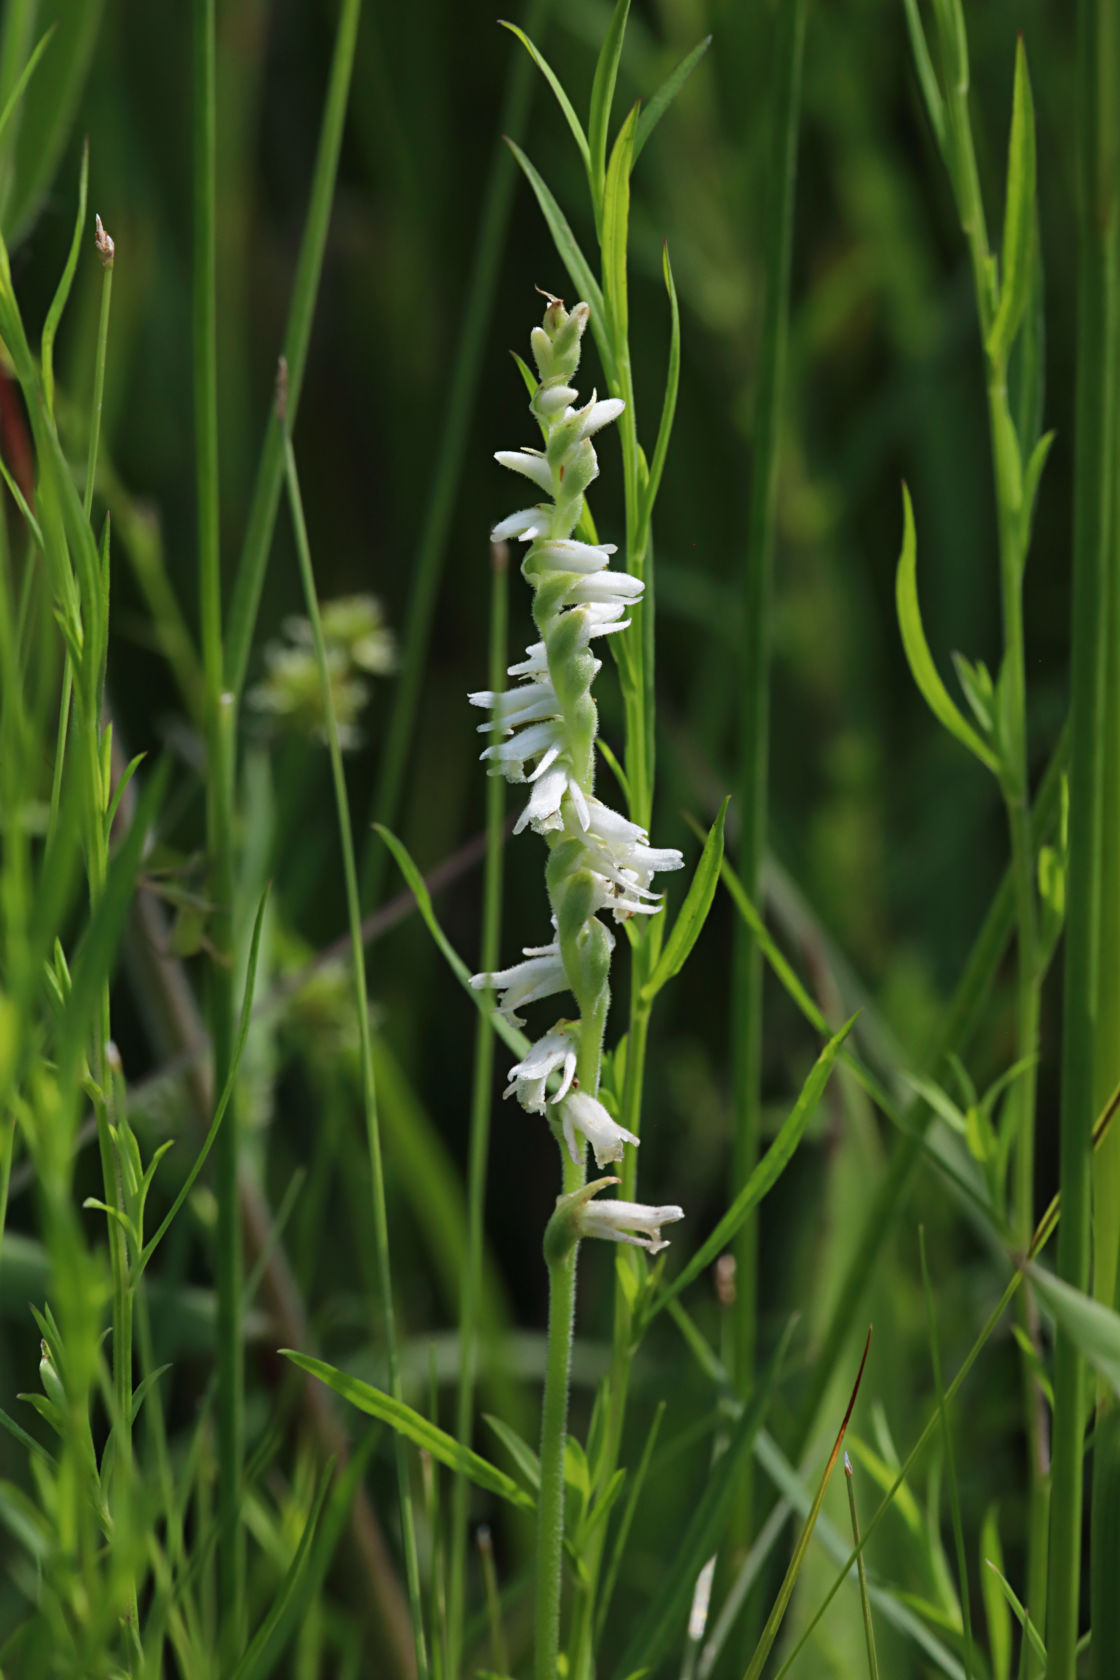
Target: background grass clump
[[891, 236]]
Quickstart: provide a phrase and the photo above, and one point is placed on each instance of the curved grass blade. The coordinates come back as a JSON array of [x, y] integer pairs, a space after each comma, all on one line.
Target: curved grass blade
[[693, 912], [1093, 1328], [265, 1647], [765, 1174], [570, 255], [665, 1617], [227, 1093], [660, 102], [1018, 215], [923, 66], [774, 1620], [1020, 1613], [919, 658], [602, 98], [554, 83], [415, 1428], [25, 76], [62, 295], [48, 113], [516, 1040], [669, 402], [616, 227]]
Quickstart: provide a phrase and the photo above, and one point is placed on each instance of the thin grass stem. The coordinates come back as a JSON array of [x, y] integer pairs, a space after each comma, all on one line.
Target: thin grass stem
[[369, 1090], [754, 720], [481, 1098]]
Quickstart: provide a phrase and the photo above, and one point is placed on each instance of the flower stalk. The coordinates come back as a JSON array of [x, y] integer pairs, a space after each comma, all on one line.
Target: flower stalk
[[598, 860]]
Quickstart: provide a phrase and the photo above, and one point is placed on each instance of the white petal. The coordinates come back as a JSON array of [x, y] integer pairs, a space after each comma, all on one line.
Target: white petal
[[532, 466], [586, 1114], [550, 399], [526, 524], [565, 554], [599, 414], [605, 587]]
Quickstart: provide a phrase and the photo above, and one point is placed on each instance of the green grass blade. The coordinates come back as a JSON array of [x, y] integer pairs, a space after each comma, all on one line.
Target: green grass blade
[[1021, 1615], [660, 1626], [47, 114], [616, 229], [97, 952], [516, 1040], [253, 561], [669, 402], [602, 98], [918, 656], [1018, 216], [660, 102], [554, 83], [997, 1612], [1093, 1328], [950, 1460], [12, 103], [227, 1091], [693, 912], [62, 295], [416, 1428], [766, 1173], [570, 255], [785, 1592], [864, 1598], [265, 1648]]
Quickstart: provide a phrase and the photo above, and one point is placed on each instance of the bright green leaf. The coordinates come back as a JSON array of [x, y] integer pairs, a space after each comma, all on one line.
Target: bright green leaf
[[693, 912], [554, 83], [918, 656], [660, 102], [415, 1428], [1018, 215]]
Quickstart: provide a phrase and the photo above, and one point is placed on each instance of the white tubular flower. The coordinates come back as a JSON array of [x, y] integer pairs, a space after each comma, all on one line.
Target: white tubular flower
[[555, 1052], [582, 1113], [515, 706], [538, 977], [627, 1222]]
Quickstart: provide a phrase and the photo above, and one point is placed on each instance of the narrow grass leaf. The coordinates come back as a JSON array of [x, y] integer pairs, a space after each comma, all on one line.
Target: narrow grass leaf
[[97, 952], [660, 102], [997, 1611], [227, 1091], [1022, 1615], [1018, 215], [265, 1647], [663, 1621], [569, 252], [669, 402], [765, 1174], [47, 114], [864, 1599], [602, 98], [923, 68], [1032, 478], [62, 294], [637, 1483], [693, 912], [950, 1463], [526, 1460], [919, 658], [26, 74], [1093, 1328], [555, 84], [516, 1041], [777, 1614], [415, 1428], [616, 228]]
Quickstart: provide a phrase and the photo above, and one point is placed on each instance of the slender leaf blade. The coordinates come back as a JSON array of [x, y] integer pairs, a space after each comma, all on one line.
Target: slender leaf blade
[[555, 84], [766, 1173], [602, 98], [415, 1428], [919, 658], [616, 228], [693, 912], [1018, 215], [660, 102]]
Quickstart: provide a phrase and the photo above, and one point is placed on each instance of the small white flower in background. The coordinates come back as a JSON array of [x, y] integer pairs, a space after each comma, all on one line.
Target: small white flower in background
[[627, 1222]]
